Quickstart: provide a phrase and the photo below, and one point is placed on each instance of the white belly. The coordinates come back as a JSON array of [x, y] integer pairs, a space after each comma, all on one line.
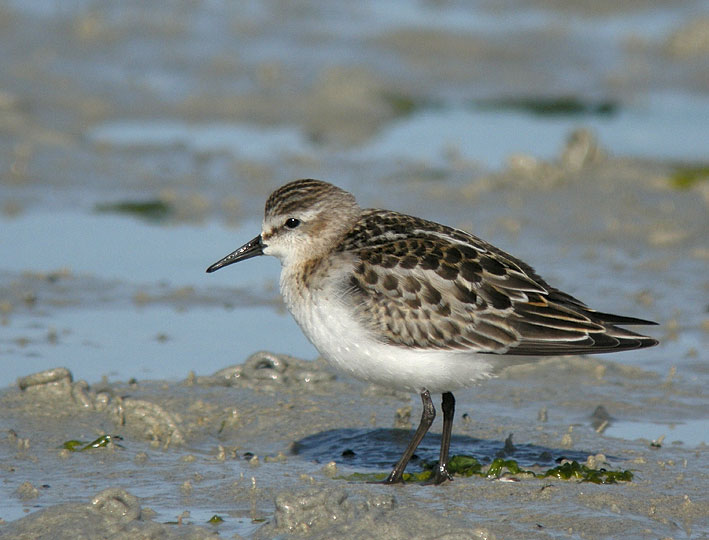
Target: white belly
[[343, 342]]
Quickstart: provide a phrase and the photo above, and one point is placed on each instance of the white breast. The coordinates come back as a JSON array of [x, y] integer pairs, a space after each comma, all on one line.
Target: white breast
[[330, 325]]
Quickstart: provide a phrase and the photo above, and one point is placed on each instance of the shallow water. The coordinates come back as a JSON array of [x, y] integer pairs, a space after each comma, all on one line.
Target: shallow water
[[669, 127], [94, 321], [690, 432]]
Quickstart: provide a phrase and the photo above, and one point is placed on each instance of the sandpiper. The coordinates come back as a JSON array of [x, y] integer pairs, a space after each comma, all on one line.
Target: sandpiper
[[411, 304]]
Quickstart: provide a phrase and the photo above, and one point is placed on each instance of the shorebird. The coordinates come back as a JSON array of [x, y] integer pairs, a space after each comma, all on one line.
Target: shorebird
[[411, 304]]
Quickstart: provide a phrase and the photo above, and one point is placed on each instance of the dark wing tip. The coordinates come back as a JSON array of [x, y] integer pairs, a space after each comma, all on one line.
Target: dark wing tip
[[558, 329], [610, 318]]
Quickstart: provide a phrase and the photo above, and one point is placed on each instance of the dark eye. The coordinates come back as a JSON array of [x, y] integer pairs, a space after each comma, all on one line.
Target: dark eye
[[292, 223]]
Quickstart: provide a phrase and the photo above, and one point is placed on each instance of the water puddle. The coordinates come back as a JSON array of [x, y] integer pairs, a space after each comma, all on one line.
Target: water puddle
[[243, 140], [126, 249], [155, 342], [381, 448], [690, 432], [119, 297], [663, 127]]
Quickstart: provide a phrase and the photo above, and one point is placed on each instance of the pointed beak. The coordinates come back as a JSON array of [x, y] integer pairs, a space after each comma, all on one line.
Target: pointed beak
[[250, 249]]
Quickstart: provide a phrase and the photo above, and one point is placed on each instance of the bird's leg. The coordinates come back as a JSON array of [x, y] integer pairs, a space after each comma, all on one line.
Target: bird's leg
[[448, 407], [427, 416]]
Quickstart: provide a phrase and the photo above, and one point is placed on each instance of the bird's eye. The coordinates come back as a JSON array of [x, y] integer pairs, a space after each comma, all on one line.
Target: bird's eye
[[292, 223]]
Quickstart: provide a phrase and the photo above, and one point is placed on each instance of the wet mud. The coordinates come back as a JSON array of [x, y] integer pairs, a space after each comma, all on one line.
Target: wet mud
[[137, 147]]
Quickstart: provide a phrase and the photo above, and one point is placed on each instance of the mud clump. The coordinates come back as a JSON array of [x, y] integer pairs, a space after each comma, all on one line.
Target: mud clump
[[112, 513]]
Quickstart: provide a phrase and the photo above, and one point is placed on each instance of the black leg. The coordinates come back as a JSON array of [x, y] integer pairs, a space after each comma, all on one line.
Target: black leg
[[427, 416], [448, 407]]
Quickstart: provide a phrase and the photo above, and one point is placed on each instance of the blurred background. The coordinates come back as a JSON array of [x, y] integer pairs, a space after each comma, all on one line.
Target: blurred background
[[138, 142]]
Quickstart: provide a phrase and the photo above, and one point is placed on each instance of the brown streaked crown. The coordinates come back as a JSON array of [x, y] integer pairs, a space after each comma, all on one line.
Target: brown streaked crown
[[307, 194]]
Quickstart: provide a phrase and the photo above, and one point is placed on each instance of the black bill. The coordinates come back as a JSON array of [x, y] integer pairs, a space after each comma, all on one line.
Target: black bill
[[253, 248]]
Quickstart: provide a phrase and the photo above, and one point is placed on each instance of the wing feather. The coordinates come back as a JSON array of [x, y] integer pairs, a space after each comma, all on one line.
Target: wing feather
[[423, 285]]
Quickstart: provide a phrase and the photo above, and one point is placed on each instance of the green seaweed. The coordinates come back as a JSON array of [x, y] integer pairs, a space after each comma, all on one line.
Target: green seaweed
[[102, 442], [401, 104], [152, 210], [573, 469], [74, 445], [498, 466], [464, 465], [687, 176], [461, 465], [551, 106], [380, 477], [215, 520]]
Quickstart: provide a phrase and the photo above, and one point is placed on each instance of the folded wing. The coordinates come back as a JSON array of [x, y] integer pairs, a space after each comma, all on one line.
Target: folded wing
[[423, 285]]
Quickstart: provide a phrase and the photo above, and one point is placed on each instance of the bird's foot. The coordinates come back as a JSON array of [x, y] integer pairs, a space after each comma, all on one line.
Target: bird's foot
[[395, 477], [439, 476]]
